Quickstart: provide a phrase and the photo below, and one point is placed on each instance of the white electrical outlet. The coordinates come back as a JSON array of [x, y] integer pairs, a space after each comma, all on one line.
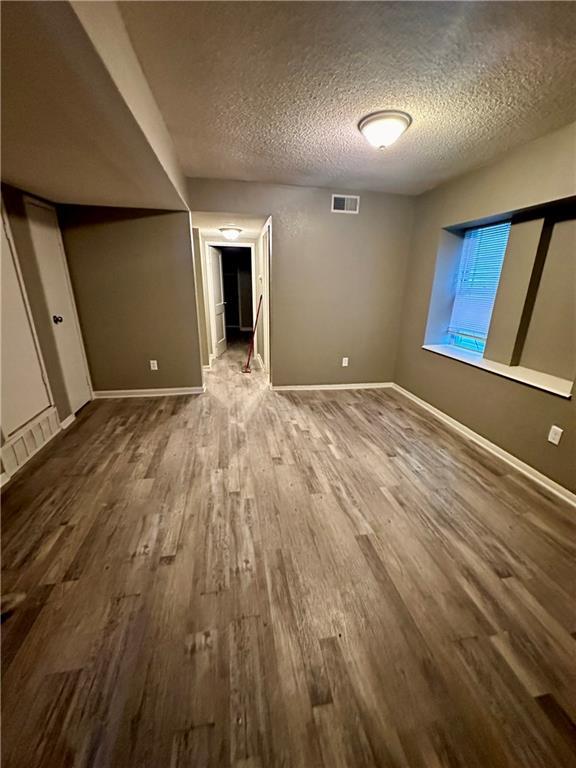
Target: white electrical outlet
[[344, 362], [555, 434], [153, 365]]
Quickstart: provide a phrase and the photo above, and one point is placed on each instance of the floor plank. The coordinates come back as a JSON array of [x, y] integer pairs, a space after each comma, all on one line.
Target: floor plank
[[254, 579]]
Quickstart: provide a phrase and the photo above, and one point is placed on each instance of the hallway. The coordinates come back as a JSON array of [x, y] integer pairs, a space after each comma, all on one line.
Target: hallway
[[253, 578]]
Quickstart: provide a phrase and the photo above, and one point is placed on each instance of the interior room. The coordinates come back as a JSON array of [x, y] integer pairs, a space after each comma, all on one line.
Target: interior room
[[288, 345]]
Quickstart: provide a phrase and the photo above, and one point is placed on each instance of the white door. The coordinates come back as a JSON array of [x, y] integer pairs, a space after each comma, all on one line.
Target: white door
[[23, 385], [217, 301], [53, 271]]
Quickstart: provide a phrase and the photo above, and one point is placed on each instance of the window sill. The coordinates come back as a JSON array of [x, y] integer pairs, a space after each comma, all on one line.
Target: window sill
[[553, 384]]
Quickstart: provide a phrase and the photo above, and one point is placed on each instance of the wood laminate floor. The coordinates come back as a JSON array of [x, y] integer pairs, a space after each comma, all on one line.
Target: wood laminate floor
[[256, 579]]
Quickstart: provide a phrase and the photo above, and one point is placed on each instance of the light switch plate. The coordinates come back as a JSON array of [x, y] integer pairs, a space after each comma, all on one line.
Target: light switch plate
[[555, 434], [344, 362], [153, 365]]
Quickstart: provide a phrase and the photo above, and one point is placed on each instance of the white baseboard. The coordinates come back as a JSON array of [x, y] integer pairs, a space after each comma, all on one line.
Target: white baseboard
[[304, 387], [495, 450], [68, 421], [260, 361], [211, 359], [168, 392]]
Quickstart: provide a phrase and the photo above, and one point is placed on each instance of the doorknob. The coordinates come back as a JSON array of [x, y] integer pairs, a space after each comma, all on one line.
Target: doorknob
[[57, 319]]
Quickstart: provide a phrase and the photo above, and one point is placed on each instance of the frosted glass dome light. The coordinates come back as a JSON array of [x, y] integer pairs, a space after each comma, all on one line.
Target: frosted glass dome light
[[381, 129], [231, 233]]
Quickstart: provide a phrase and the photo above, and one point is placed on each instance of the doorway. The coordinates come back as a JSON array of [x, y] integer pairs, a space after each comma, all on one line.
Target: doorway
[[238, 299], [231, 285]]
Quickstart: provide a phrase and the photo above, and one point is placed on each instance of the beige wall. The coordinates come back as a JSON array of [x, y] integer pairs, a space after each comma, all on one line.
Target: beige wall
[[550, 344], [133, 278], [68, 134], [336, 280], [513, 290], [514, 416], [105, 27]]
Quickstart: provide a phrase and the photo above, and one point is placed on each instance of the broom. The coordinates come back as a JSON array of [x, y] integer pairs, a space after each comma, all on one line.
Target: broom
[[246, 368]]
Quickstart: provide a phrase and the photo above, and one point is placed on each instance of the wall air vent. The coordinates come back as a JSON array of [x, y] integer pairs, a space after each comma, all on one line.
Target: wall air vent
[[345, 203]]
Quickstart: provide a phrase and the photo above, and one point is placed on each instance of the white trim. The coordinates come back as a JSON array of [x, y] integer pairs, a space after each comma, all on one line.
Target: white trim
[[260, 361], [545, 381], [68, 421], [204, 277], [266, 260], [211, 359], [198, 276], [495, 450], [167, 392], [304, 387]]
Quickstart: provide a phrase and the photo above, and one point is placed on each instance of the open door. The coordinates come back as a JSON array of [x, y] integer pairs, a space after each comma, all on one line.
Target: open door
[[266, 244], [217, 303]]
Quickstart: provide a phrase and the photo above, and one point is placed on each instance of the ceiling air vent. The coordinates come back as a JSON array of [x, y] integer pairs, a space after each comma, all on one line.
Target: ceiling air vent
[[345, 203]]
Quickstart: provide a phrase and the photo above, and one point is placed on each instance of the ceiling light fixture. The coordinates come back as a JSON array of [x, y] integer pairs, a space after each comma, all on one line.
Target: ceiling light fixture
[[381, 129], [231, 233]]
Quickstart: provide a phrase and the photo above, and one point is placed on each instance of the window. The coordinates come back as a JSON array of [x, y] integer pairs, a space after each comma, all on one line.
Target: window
[[479, 304], [476, 285]]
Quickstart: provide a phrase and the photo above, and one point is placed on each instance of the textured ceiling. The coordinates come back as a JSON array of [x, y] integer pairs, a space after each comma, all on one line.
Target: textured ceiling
[[209, 224], [273, 91]]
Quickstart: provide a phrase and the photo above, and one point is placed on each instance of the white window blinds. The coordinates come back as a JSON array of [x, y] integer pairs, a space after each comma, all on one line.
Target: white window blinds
[[476, 285]]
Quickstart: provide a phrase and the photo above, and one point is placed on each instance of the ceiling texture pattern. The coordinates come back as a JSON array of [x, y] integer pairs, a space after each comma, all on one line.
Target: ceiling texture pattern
[[273, 92]]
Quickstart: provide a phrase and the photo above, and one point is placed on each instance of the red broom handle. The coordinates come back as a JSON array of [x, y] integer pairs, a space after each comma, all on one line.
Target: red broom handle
[[251, 350]]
